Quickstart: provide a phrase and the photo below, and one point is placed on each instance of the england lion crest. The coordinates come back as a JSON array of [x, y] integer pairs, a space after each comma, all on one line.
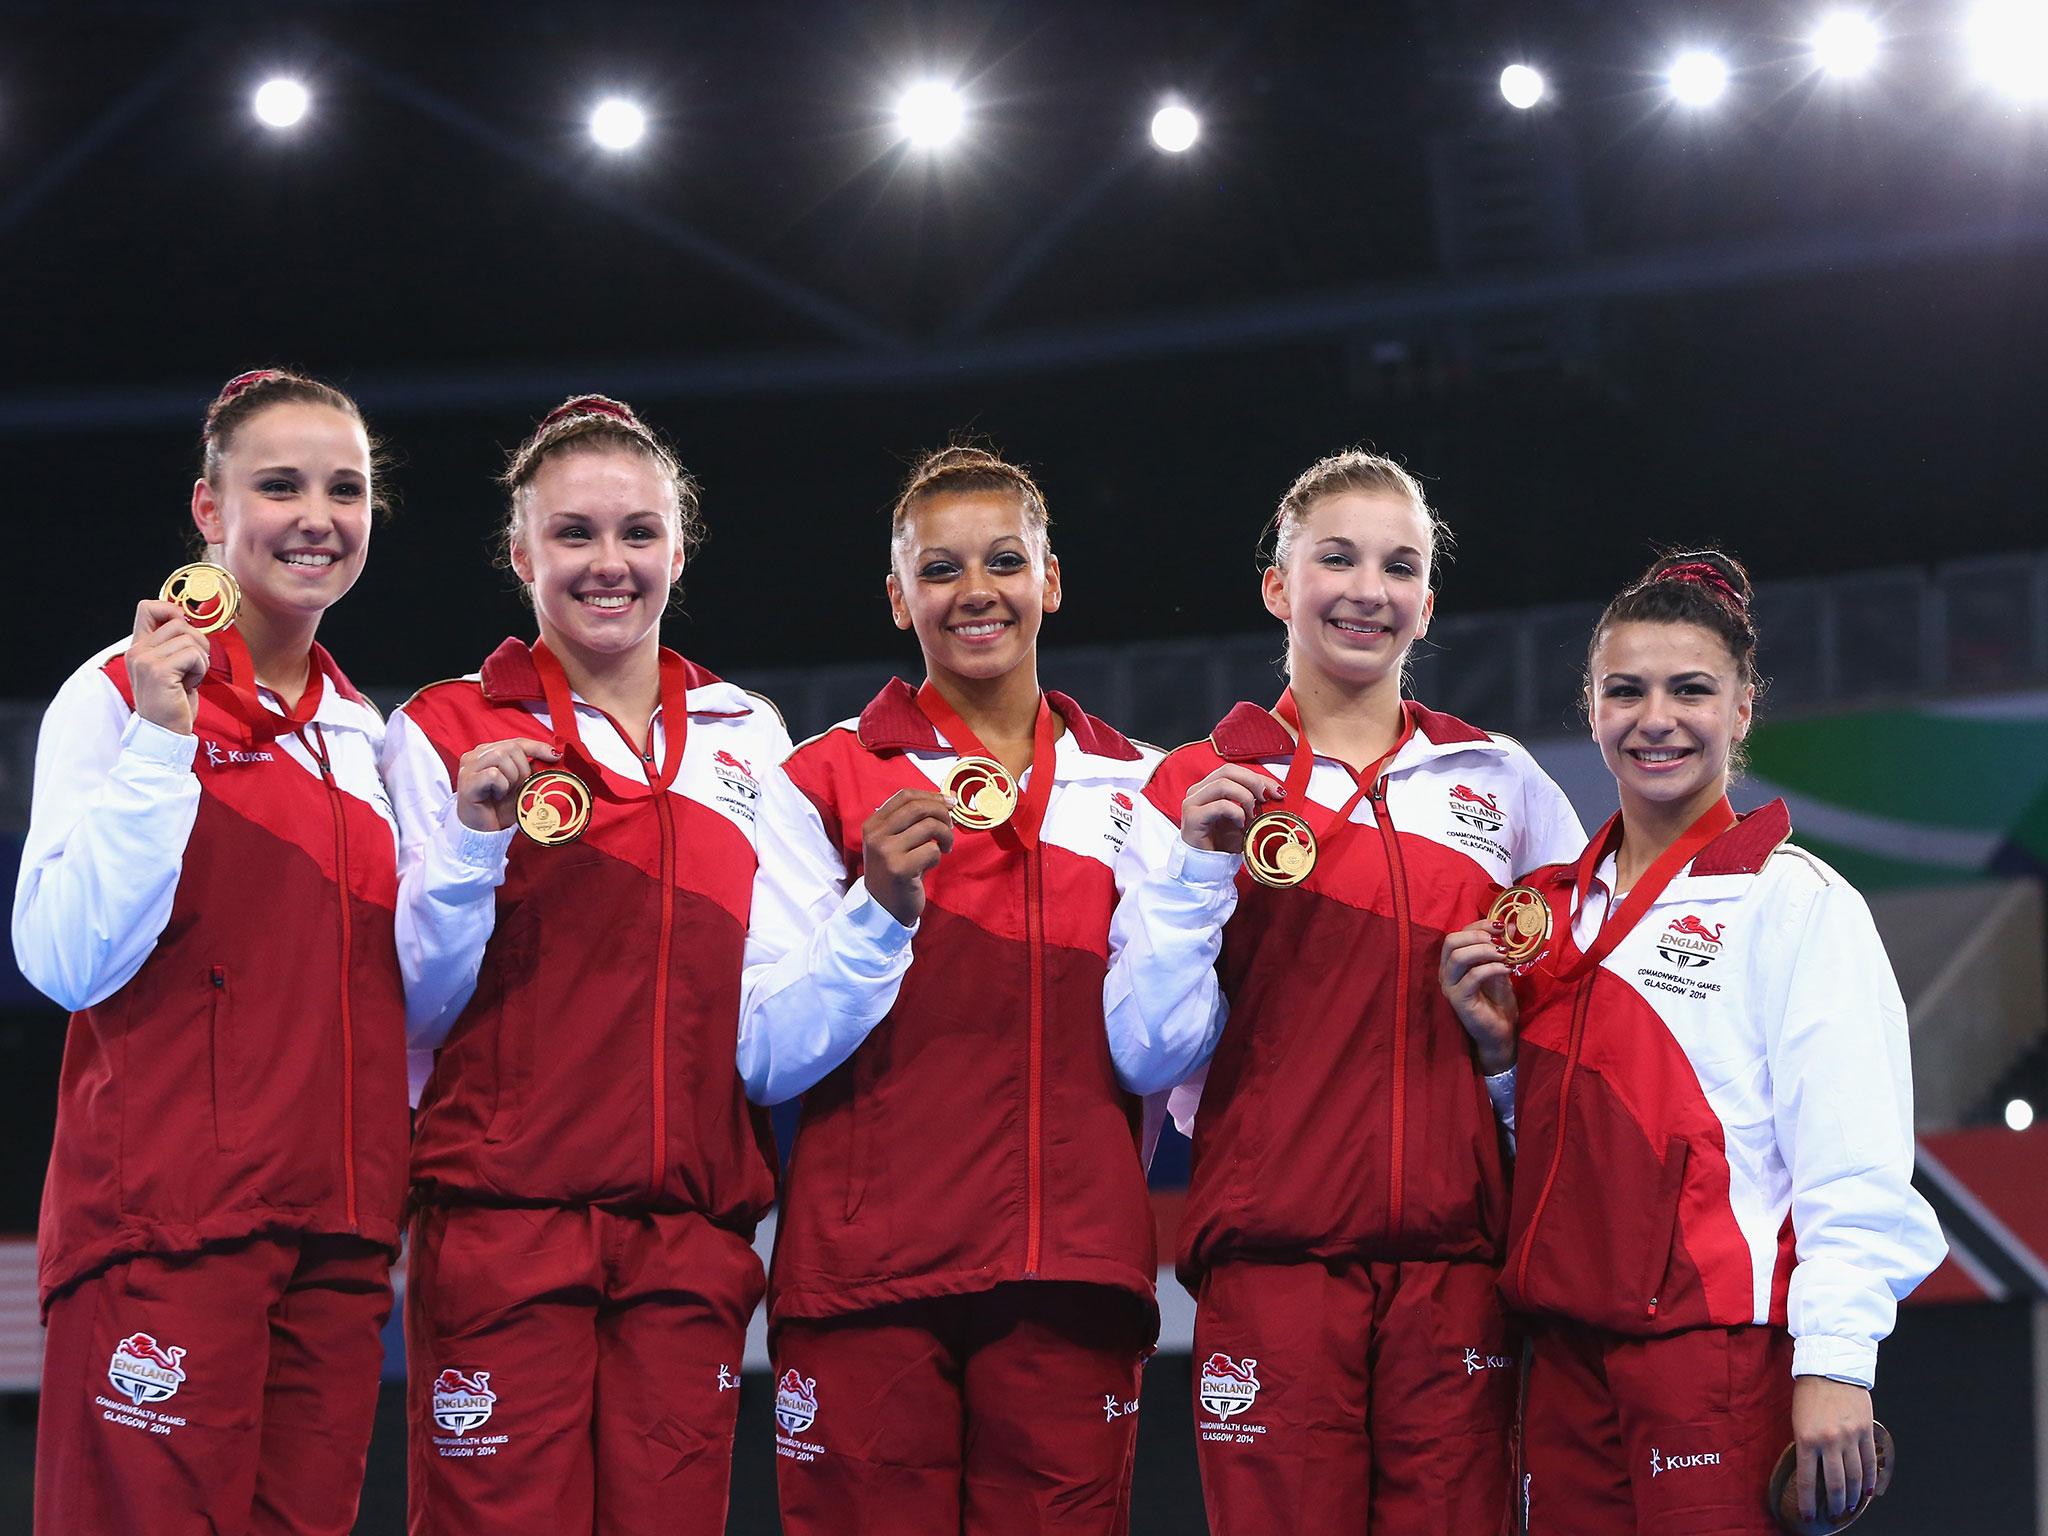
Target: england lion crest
[[1228, 1386], [144, 1370], [462, 1402]]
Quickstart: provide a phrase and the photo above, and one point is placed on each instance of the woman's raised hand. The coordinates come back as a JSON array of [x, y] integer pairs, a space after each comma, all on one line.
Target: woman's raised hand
[[1482, 992], [908, 834], [487, 780]]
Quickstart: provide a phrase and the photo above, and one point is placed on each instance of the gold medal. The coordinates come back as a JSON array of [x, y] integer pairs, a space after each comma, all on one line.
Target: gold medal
[[1279, 848], [982, 792], [554, 807], [1524, 917], [205, 593]]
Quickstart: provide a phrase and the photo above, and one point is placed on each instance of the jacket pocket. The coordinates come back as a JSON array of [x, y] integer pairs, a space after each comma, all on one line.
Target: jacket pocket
[[227, 1077], [1664, 1235]]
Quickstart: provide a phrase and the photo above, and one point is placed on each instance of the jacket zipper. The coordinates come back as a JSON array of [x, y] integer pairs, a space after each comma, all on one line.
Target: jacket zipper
[[668, 913], [1398, 871], [1564, 1099], [1034, 935], [348, 1037]]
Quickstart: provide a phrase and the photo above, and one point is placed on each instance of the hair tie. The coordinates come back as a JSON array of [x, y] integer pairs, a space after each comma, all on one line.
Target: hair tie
[[1701, 573], [589, 405], [242, 381]]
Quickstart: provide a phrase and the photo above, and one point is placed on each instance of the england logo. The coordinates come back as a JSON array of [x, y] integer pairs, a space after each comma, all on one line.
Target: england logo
[[462, 1402], [1120, 812], [1690, 942], [735, 775], [796, 1402], [144, 1370], [1476, 809], [1228, 1386]]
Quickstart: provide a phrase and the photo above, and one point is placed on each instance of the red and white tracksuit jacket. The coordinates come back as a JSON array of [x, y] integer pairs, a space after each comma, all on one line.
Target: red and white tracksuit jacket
[[962, 1122], [1342, 1115], [577, 1002], [1715, 1125], [218, 914]]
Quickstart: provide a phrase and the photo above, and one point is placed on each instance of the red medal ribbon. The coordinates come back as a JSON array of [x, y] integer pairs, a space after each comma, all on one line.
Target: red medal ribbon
[[675, 721], [259, 722], [1294, 795], [957, 734], [1618, 922]]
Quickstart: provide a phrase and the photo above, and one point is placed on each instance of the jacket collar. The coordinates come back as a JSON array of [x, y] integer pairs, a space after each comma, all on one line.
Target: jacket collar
[[892, 722], [1251, 733], [509, 676], [335, 697]]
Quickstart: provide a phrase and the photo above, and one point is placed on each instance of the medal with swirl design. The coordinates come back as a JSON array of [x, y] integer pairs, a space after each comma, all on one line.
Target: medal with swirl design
[[207, 596], [554, 807], [982, 792], [1279, 849], [1524, 918]]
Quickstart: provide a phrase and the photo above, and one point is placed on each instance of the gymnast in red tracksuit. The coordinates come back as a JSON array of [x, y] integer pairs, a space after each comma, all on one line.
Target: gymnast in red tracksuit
[[208, 883], [962, 1289], [576, 860], [1713, 1215], [1348, 1199]]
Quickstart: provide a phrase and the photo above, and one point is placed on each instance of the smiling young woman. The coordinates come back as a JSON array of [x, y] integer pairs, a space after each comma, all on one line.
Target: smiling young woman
[[1282, 897], [208, 882], [577, 856], [963, 1279], [1713, 1219]]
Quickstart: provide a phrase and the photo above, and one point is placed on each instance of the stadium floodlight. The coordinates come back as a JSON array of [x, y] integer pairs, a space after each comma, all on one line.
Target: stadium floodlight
[[281, 103], [617, 123], [2019, 1114], [930, 114], [1697, 78], [1845, 44], [1174, 128], [1522, 86], [2008, 43]]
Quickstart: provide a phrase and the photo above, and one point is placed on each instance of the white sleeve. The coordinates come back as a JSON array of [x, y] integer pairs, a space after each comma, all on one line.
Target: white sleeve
[[1842, 1089], [1160, 998], [1551, 831], [448, 879], [824, 959], [115, 803]]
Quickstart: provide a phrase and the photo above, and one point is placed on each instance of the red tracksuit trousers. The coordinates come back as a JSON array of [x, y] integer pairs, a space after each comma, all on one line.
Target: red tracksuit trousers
[[230, 1389], [1007, 1412], [1350, 1397], [1674, 1436], [573, 1371]]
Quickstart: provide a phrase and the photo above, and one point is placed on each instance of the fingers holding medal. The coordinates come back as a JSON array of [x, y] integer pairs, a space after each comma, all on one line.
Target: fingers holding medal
[[900, 843], [1479, 967], [491, 784], [1219, 807]]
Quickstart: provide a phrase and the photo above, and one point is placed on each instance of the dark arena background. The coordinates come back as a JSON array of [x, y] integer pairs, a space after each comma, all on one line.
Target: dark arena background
[[1786, 294]]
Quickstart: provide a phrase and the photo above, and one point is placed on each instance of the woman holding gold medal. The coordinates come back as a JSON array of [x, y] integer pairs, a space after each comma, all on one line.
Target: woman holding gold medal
[[1713, 1218], [208, 882], [962, 1289], [1284, 894], [576, 858]]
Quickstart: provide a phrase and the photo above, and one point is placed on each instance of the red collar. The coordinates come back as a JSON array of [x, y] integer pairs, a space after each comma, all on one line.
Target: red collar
[[892, 722], [1742, 850], [510, 676], [1250, 734]]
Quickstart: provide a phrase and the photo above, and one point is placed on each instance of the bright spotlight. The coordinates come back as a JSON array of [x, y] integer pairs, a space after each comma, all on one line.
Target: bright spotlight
[[1174, 128], [1845, 44], [1697, 78], [2019, 1114], [2008, 42], [1522, 86], [617, 124], [930, 114], [281, 103]]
